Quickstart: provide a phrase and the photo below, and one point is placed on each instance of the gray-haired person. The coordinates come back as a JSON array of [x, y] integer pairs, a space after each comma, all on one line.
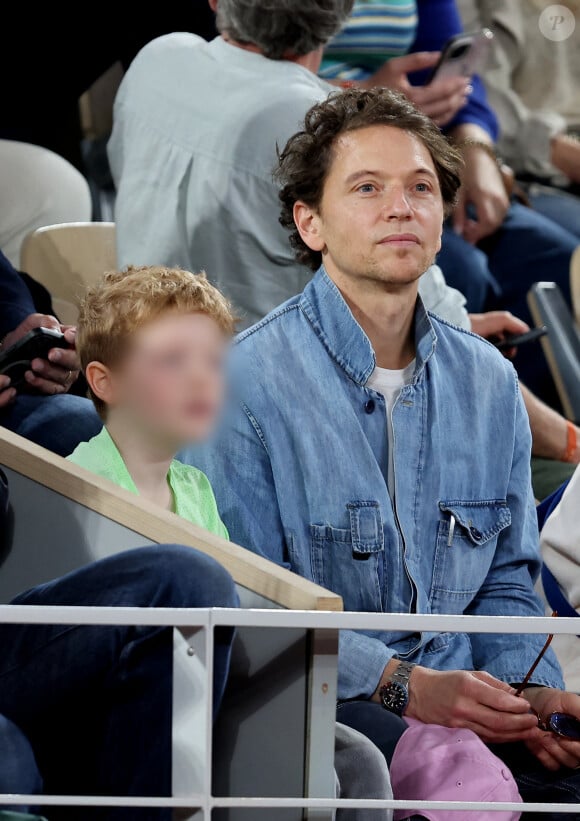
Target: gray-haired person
[[194, 142], [196, 126]]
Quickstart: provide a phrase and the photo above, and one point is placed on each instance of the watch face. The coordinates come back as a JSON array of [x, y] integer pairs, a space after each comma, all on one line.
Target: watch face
[[394, 697]]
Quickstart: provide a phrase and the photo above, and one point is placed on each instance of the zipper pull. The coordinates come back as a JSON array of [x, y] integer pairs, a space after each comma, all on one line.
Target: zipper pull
[[452, 521]]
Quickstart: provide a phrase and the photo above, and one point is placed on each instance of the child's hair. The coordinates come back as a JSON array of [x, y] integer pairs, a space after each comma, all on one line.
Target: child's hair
[[124, 301]]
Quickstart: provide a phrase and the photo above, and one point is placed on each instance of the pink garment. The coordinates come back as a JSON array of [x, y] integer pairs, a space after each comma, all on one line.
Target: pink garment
[[434, 763]]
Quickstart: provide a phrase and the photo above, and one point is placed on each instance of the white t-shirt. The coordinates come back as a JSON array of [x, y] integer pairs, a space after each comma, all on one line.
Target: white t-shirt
[[389, 384]]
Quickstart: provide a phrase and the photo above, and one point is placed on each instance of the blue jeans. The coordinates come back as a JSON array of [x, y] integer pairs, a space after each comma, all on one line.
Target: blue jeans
[[58, 423], [382, 727], [95, 702], [18, 770], [498, 274], [536, 783], [559, 206]]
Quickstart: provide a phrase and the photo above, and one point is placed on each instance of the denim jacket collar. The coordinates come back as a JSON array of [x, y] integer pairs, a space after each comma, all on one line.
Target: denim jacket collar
[[343, 337]]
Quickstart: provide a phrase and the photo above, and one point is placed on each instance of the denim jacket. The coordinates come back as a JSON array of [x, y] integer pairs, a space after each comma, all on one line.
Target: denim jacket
[[299, 472]]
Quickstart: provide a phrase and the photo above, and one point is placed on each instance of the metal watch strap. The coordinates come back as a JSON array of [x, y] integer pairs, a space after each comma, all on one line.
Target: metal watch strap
[[403, 673], [394, 694]]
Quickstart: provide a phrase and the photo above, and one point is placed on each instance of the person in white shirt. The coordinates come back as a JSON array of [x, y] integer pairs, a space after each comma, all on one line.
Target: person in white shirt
[[196, 126]]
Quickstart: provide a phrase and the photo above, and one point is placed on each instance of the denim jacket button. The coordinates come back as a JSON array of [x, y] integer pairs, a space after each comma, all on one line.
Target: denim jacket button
[[475, 532], [370, 406]]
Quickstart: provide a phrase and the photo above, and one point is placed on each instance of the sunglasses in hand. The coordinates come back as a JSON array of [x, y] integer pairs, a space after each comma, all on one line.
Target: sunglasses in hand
[[562, 724]]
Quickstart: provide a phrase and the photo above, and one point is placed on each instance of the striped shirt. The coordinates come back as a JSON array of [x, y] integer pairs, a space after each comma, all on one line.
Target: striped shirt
[[378, 31], [375, 32]]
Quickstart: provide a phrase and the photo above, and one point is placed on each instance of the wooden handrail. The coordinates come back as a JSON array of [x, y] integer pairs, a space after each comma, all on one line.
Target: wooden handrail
[[154, 524]]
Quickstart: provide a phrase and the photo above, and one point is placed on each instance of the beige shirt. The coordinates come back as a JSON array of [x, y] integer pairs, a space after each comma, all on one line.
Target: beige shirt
[[533, 83]]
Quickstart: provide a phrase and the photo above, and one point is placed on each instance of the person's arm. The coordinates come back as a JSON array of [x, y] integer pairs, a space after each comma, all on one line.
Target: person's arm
[[474, 128], [508, 589], [15, 299], [441, 299], [549, 430], [440, 100], [482, 187], [532, 141], [439, 20], [238, 466], [472, 700], [17, 318], [565, 155]]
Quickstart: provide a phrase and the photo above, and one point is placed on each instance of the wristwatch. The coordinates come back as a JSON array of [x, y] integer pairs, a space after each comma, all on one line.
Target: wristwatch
[[394, 695]]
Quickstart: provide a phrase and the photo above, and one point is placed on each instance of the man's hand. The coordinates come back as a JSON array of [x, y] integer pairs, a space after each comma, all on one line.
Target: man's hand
[[7, 393], [471, 700], [499, 324], [552, 750], [440, 100], [482, 187], [62, 368], [565, 155]]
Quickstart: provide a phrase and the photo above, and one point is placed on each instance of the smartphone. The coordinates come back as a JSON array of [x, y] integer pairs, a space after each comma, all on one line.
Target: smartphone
[[463, 55], [520, 339], [15, 361]]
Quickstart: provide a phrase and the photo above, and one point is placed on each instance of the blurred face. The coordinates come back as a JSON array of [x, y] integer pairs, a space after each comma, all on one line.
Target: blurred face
[[171, 381], [381, 214]]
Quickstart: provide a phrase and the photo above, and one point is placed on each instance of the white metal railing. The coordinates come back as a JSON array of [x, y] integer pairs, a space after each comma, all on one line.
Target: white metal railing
[[200, 623]]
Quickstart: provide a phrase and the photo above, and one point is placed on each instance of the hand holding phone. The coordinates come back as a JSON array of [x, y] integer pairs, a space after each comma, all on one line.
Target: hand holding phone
[[509, 342], [16, 360], [463, 55]]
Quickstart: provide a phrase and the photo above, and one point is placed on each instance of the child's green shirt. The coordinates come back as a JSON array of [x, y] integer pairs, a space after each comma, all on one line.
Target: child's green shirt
[[193, 497]]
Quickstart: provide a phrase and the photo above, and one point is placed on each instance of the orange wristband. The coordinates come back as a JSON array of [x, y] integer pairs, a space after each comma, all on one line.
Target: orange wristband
[[571, 444]]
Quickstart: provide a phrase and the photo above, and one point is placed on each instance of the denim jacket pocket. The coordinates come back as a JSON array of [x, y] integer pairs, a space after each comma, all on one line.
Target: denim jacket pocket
[[466, 542], [347, 560]]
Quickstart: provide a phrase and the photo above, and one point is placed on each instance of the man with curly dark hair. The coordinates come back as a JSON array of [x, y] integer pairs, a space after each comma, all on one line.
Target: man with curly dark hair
[[304, 164], [366, 453]]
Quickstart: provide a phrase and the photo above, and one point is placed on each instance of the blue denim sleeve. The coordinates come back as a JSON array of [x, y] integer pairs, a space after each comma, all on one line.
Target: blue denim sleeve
[[361, 662], [239, 469], [439, 20], [509, 587]]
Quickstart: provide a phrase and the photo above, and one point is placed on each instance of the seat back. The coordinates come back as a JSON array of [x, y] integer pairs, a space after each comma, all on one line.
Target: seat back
[[67, 258], [561, 345]]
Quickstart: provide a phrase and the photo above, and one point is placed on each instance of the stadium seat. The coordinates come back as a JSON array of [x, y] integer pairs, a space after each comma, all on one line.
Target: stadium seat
[[67, 258], [561, 345]]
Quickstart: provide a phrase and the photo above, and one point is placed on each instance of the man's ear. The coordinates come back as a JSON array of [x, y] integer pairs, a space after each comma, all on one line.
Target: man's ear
[[309, 226], [100, 382], [213, 5]]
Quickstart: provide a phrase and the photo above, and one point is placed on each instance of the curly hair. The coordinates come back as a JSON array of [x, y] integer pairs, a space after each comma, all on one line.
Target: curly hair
[[281, 27], [305, 162], [124, 301]]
